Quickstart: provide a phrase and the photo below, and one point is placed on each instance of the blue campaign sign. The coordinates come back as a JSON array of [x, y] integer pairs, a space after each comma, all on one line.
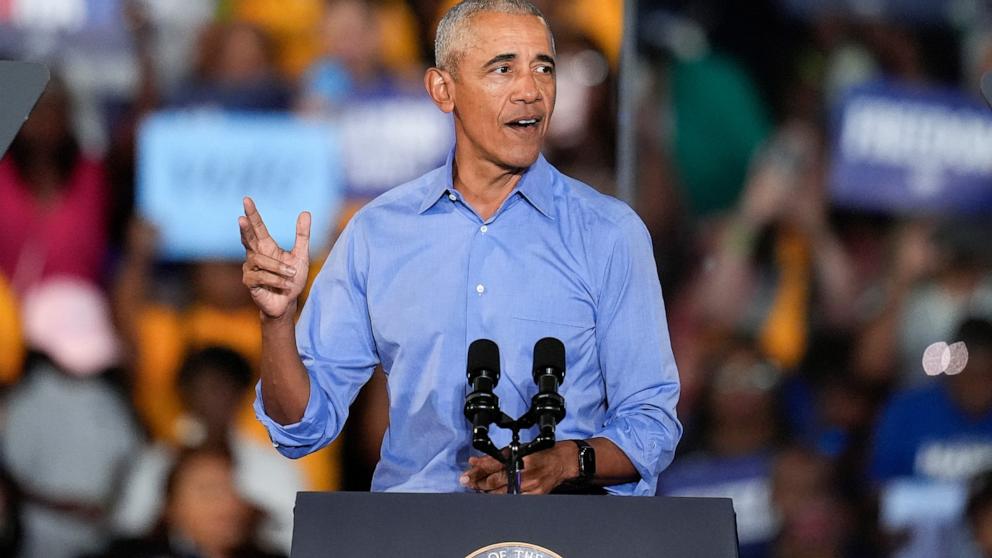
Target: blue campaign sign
[[194, 169], [912, 150], [389, 140]]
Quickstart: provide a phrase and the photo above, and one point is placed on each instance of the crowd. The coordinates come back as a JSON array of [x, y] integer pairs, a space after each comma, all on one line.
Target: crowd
[[799, 324]]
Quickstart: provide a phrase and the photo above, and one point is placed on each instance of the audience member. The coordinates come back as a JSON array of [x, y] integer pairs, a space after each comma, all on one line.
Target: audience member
[[212, 384], [69, 433], [53, 219], [737, 431], [204, 515], [160, 333]]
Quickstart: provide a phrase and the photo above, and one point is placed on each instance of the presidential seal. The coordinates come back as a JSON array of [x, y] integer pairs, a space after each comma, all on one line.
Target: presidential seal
[[513, 550]]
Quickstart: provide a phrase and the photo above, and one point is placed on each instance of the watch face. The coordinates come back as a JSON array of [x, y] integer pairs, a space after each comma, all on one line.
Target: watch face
[[587, 462]]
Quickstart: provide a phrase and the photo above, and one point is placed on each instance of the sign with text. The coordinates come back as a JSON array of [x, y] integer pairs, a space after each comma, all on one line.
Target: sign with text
[[389, 140], [910, 150], [194, 170]]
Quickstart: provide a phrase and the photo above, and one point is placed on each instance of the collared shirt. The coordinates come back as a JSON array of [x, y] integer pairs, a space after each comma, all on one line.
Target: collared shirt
[[418, 275]]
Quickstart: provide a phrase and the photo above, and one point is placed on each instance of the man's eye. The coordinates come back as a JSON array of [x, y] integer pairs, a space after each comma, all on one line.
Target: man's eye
[[545, 70], [502, 69]]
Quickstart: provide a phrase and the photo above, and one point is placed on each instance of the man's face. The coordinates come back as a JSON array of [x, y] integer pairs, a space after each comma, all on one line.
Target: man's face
[[504, 89]]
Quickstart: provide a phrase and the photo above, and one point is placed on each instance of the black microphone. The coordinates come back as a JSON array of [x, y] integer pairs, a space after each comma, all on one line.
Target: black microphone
[[549, 372], [481, 404]]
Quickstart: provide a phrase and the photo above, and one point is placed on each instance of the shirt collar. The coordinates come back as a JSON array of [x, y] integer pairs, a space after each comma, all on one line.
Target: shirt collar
[[535, 185]]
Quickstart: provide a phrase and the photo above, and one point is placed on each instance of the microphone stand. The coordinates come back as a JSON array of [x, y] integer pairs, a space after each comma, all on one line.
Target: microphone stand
[[513, 460]]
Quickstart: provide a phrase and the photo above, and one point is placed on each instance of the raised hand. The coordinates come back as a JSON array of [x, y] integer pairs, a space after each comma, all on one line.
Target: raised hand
[[274, 276]]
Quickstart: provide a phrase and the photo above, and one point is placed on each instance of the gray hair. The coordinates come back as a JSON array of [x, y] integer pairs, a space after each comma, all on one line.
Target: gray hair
[[451, 29]]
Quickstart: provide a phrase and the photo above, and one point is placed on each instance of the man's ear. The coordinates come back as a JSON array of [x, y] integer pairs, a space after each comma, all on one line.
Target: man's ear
[[441, 87]]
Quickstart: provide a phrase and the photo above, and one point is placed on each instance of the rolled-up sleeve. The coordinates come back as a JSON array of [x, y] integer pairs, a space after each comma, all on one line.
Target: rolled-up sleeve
[[335, 342], [635, 352]]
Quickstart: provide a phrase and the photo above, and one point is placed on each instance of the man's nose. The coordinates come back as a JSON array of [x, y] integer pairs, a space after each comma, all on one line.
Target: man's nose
[[526, 89]]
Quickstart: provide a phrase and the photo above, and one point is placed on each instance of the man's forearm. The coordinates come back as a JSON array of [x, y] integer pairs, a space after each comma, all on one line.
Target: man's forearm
[[612, 464], [285, 382]]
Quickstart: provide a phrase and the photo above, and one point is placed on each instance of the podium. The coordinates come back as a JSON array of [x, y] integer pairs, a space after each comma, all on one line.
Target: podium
[[358, 524]]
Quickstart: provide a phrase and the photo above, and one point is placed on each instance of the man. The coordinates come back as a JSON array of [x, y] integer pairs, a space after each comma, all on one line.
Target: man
[[496, 244]]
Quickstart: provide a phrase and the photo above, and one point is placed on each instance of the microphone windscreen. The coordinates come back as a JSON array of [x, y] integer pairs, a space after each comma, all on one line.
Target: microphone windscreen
[[987, 87], [483, 354], [549, 353]]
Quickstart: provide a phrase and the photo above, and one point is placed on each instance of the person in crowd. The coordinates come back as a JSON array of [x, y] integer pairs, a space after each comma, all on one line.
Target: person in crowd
[[816, 518], [53, 219], [212, 384], [159, 333], [778, 271], [69, 433], [941, 273], [351, 65], [737, 431], [204, 515], [930, 441], [495, 74], [235, 71]]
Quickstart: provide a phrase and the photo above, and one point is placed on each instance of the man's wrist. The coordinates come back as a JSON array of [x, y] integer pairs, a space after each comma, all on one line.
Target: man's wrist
[[569, 452], [287, 319]]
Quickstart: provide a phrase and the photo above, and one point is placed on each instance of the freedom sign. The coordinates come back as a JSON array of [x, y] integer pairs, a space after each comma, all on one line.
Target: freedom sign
[[194, 170], [904, 149]]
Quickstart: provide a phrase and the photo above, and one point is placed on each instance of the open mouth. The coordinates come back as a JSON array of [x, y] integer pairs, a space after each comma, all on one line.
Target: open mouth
[[525, 123]]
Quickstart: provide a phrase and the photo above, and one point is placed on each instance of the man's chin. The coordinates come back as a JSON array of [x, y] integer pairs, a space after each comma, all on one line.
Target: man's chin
[[521, 159]]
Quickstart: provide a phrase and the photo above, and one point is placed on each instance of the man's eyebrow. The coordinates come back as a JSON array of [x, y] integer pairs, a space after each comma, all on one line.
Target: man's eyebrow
[[546, 58], [501, 58], [507, 57]]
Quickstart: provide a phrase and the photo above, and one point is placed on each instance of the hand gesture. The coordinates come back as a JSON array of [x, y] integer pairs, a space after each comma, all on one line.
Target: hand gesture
[[543, 471], [274, 276]]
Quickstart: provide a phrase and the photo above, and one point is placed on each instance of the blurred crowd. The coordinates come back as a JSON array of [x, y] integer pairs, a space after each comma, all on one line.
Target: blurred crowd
[[799, 325]]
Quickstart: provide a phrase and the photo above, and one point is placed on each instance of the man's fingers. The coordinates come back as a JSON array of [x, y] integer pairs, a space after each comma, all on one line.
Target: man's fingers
[[265, 279], [247, 234], [251, 212], [261, 262], [480, 468], [302, 245]]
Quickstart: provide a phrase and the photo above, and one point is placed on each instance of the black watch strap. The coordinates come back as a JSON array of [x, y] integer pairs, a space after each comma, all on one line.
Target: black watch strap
[[587, 462]]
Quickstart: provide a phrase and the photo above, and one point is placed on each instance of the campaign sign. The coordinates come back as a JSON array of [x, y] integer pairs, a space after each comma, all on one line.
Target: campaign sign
[[911, 150], [389, 140], [194, 170]]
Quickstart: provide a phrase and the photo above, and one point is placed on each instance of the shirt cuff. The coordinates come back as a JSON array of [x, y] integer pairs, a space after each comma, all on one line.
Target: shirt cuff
[[647, 446], [300, 438]]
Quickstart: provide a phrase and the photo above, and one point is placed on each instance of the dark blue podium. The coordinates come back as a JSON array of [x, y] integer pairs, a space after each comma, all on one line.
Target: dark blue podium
[[358, 524]]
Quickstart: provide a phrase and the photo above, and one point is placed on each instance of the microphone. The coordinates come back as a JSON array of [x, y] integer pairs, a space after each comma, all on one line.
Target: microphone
[[481, 404], [549, 372]]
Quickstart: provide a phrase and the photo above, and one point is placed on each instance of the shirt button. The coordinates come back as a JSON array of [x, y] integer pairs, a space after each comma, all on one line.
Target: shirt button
[[452, 197], [483, 229], [480, 288]]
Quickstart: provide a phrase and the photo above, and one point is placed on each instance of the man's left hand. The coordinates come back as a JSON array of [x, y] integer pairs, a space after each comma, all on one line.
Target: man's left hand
[[543, 471]]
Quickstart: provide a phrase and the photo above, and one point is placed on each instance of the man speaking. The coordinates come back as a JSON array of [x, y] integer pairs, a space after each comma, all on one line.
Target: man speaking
[[495, 244]]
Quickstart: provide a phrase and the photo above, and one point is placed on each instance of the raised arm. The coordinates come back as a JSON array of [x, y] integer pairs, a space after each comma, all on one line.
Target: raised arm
[[275, 279]]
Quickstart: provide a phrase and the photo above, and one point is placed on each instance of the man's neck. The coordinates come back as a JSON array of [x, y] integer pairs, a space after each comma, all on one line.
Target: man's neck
[[483, 185]]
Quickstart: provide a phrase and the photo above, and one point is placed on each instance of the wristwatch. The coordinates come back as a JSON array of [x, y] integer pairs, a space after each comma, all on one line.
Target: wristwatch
[[587, 462]]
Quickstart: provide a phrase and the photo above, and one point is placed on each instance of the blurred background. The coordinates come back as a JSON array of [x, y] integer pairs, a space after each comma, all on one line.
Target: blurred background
[[816, 176]]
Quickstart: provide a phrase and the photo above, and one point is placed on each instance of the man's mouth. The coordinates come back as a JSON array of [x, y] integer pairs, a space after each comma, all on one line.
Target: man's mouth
[[525, 123]]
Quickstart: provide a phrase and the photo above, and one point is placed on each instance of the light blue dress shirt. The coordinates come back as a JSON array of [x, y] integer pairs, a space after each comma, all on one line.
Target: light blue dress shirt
[[417, 276]]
